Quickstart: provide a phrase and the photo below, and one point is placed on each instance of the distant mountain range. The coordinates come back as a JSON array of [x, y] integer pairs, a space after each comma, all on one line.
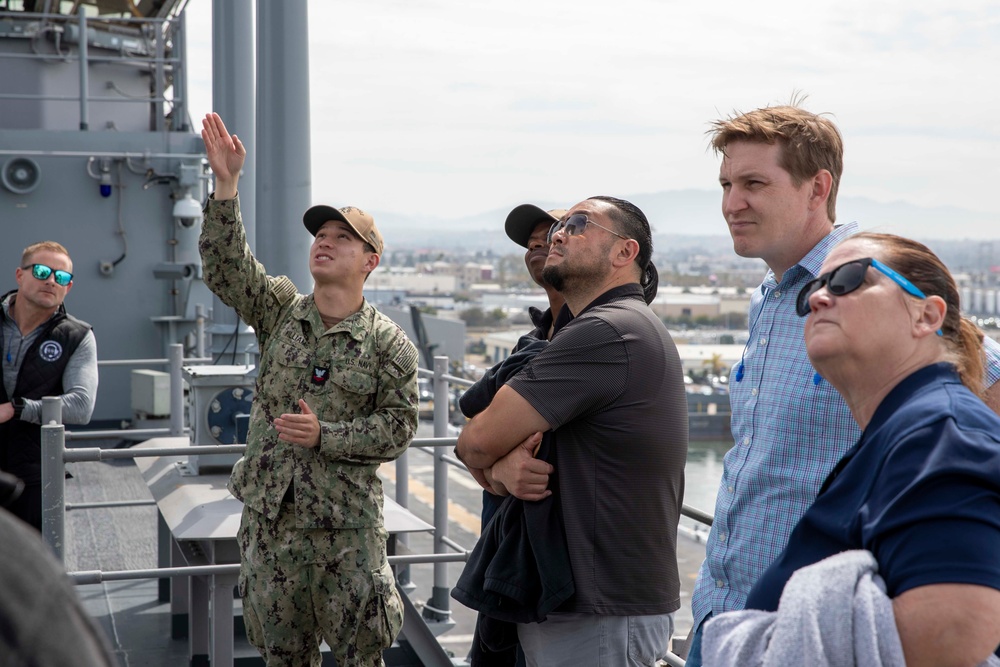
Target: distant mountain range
[[688, 217]]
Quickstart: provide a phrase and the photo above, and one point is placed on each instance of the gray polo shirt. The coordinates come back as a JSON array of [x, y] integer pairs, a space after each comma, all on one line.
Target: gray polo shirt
[[611, 385]]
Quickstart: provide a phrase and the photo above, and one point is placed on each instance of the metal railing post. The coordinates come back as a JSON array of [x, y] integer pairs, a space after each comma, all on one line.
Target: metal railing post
[[84, 75], [199, 315], [54, 488], [403, 498], [178, 33], [51, 410], [158, 75], [176, 356], [438, 607]]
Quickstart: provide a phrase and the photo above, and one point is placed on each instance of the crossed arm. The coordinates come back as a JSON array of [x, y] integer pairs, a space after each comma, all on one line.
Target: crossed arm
[[498, 446]]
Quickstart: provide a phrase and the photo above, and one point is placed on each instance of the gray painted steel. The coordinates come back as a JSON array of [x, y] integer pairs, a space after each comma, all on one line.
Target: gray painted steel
[[448, 335], [233, 85], [421, 639], [51, 410], [54, 489], [135, 265], [98, 112], [67, 207], [233, 92], [84, 73], [284, 178], [439, 606]]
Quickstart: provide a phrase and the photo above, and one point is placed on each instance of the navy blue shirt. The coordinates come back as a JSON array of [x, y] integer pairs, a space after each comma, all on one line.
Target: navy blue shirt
[[920, 490]]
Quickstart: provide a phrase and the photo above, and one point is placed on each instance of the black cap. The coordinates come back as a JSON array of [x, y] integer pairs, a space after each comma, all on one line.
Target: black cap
[[524, 218]]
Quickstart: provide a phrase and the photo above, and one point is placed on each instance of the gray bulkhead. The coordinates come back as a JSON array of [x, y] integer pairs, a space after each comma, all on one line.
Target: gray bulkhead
[[119, 177]]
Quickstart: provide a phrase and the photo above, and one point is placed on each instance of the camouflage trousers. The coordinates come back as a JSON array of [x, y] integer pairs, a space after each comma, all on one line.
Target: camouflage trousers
[[302, 586]]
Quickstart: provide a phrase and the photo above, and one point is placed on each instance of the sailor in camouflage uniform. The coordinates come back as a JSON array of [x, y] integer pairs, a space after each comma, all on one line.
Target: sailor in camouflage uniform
[[336, 396]]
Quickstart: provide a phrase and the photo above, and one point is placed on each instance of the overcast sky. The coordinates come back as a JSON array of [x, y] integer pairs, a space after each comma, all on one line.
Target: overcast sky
[[459, 107]]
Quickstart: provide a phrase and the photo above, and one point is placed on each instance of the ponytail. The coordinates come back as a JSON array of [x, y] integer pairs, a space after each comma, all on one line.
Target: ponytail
[[649, 282]]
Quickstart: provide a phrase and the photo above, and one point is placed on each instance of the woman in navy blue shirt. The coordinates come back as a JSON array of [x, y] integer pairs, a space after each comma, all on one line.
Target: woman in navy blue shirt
[[921, 488]]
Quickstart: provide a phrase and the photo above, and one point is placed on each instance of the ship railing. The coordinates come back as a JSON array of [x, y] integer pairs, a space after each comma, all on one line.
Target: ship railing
[[437, 609], [442, 403], [55, 455], [175, 363], [140, 42]]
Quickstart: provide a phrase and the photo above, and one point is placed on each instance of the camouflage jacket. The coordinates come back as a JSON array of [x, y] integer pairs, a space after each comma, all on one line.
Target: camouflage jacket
[[359, 378]]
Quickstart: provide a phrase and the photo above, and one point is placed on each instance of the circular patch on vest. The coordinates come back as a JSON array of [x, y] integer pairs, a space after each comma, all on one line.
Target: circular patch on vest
[[50, 350]]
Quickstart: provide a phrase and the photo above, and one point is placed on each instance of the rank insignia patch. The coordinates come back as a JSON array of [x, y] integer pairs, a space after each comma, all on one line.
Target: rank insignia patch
[[320, 375]]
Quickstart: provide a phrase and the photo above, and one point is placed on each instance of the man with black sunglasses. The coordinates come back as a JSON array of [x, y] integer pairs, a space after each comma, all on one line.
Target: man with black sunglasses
[[45, 352], [780, 173], [610, 390]]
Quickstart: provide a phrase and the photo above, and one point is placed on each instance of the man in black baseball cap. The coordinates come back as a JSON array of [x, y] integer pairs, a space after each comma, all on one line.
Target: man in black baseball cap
[[528, 226], [523, 219]]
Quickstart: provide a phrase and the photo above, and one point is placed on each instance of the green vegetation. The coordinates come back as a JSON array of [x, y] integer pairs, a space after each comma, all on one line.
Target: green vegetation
[[729, 321], [475, 317]]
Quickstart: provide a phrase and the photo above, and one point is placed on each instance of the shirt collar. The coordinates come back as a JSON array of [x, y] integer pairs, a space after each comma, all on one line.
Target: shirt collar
[[628, 290], [544, 321], [355, 324], [564, 317], [541, 319], [813, 260], [5, 302], [904, 391], [7, 299]]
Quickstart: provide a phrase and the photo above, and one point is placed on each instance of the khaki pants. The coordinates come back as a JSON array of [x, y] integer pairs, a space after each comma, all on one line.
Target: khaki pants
[[303, 586]]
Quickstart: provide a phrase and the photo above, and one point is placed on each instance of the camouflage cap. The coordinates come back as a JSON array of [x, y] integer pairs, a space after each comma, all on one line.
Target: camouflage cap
[[524, 218], [362, 223]]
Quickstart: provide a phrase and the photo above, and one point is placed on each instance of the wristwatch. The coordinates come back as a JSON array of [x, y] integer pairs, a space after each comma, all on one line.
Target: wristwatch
[[18, 404]]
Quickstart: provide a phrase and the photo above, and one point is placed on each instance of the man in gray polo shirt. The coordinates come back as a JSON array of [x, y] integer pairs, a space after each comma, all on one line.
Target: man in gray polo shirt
[[610, 387]]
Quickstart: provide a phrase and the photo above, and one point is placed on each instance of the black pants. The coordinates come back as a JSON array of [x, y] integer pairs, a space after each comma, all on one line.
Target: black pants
[[28, 507]]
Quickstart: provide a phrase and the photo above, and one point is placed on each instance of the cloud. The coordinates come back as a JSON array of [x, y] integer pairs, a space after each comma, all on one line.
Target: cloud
[[473, 105]]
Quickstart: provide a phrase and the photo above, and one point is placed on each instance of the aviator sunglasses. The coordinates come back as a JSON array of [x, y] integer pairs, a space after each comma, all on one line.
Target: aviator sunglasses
[[848, 277], [576, 224], [43, 272]]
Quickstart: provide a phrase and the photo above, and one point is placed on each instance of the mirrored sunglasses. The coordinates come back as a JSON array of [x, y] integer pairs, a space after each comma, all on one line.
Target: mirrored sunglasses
[[576, 224], [847, 278], [43, 272]]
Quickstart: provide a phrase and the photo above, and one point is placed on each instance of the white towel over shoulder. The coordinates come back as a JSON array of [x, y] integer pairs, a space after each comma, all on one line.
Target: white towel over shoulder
[[833, 613]]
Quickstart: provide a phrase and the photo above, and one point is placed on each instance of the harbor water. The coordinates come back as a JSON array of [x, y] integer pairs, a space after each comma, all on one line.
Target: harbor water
[[703, 472]]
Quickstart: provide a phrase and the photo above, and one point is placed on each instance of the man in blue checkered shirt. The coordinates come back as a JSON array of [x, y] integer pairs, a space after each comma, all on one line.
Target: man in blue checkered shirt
[[780, 171]]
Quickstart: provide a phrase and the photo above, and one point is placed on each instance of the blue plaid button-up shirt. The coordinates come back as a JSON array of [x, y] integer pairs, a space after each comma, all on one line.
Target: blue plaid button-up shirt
[[789, 432]]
